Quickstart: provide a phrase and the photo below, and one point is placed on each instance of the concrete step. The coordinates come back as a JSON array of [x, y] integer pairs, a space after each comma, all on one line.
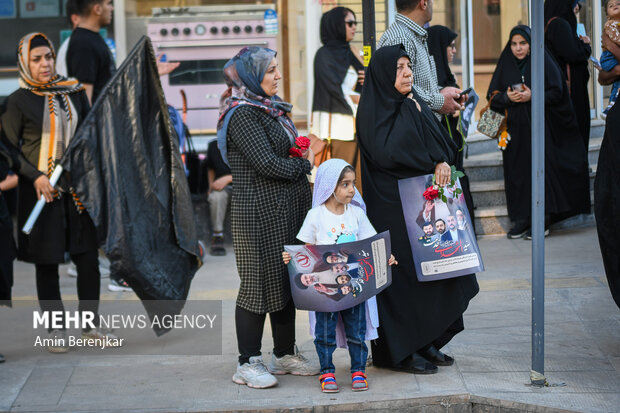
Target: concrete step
[[488, 166], [488, 193], [478, 143], [493, 220], [492, 193]]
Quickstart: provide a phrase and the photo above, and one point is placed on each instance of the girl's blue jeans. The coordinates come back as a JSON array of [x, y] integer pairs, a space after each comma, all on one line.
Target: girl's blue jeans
[[354, 320]]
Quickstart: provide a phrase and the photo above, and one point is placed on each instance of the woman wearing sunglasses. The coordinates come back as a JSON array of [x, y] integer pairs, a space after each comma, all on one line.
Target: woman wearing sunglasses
[[338, 75]]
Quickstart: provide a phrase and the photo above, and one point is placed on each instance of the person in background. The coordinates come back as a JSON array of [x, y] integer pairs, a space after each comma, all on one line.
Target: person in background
[[41, 118], [338, 75], [90, 61], [88, 57], [8, 252], [61, 56], [220, 188], [571, 53], [567, 180], [442, 46], [271, 195], [408, 29], [611, 33]]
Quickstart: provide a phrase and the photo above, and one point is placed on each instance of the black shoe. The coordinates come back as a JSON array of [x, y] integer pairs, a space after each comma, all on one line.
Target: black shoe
[[2, 359], [217, 247], [519, 229], [528, 235], [417, 365], [436, 357]]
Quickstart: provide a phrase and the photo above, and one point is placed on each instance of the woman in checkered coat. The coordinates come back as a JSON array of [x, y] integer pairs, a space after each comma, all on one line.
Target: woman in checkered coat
[[271, 196]]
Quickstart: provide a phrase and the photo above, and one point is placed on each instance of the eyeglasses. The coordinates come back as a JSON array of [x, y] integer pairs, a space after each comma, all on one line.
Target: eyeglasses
[[452, 46], [351, 23]]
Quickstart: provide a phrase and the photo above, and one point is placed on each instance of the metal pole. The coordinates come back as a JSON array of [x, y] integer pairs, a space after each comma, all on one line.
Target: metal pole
[[368, 16], [537, 375]]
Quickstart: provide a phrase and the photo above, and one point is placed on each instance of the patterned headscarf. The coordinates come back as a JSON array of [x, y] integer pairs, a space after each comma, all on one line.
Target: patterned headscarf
[[59, 116], [243, 75], [326, 181]]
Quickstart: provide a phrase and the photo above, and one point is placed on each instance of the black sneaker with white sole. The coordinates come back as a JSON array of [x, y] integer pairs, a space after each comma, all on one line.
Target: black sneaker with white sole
[[519, 230]]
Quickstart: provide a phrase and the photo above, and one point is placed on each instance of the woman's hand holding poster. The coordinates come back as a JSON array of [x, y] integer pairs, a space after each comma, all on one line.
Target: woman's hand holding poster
[[439, 228], [332, 278]]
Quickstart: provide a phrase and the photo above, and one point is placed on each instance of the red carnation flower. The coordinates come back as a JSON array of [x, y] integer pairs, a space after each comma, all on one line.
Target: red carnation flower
[[430, 193], [295, 152], [302, 143]]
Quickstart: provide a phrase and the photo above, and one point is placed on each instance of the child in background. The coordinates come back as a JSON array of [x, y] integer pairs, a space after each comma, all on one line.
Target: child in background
[[338, 215], [608, 61]]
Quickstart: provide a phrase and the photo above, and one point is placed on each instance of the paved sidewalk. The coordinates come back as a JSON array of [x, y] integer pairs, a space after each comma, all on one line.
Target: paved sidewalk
[[582, 350]]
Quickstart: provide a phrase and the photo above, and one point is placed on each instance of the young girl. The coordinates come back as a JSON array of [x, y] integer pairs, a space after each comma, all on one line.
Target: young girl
[[338, 216]]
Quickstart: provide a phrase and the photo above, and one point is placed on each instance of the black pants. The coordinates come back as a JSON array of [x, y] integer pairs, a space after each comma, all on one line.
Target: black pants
[[88, 284], [250, 332]]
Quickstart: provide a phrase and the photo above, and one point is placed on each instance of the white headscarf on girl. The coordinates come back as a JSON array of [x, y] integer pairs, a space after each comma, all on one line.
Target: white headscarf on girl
[[326, 181]]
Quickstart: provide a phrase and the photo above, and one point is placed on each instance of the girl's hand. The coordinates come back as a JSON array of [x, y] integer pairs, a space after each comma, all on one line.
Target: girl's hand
[[513, 95], [392, 260], [526, 95], [585, 39], [286, 257], [442, 174], [43, 187]]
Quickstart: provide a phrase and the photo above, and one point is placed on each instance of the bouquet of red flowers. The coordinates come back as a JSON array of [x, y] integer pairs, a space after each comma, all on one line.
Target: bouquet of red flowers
[[300, 146]]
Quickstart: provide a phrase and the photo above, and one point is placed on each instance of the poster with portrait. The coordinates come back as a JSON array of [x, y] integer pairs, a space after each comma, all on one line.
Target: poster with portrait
[[440, 230], [335, 277]]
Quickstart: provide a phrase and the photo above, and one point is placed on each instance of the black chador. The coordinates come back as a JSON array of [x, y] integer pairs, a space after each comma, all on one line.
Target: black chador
[[566, 165], [401, 138], [607, 201]]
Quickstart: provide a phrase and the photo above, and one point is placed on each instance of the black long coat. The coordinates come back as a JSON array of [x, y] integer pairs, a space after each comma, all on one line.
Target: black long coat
[[398, 140], [607, 201], [270, 199], [59, 228], [7, 244], [572, 56]]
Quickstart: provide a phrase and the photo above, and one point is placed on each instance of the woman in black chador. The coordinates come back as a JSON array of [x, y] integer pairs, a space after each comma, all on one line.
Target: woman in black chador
[[441, 45], [400, 138], [607, 201], [566, 166], [572, 54]]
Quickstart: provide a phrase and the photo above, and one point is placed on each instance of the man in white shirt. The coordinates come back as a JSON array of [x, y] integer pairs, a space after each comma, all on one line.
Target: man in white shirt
[[61, 55]]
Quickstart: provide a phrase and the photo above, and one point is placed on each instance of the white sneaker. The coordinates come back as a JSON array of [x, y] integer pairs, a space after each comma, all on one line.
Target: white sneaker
[[295, 364], [59, 342], [108, 337], [254, 374], [120, 285]]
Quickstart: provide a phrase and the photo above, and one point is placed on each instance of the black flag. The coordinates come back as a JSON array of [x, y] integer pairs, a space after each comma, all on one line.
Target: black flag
[[126, 169]]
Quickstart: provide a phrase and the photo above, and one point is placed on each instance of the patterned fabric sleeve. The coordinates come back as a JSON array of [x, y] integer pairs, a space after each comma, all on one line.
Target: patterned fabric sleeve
[[612, 29], [246, 131]]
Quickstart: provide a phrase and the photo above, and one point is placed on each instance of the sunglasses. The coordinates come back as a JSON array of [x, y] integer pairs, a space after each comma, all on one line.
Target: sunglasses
[[351, 23]]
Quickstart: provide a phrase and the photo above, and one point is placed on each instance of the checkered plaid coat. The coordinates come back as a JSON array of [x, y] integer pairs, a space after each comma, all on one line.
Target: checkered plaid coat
[[271, 196]]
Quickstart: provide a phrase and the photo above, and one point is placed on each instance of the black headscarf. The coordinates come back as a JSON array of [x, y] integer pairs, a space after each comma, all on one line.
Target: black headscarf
[[509, 69], [331, 63], [562, 9], [396, 132], [439, 38]]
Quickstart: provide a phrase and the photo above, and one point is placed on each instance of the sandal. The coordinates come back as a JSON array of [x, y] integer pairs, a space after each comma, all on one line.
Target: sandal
[[358, 381], [328, 383]]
